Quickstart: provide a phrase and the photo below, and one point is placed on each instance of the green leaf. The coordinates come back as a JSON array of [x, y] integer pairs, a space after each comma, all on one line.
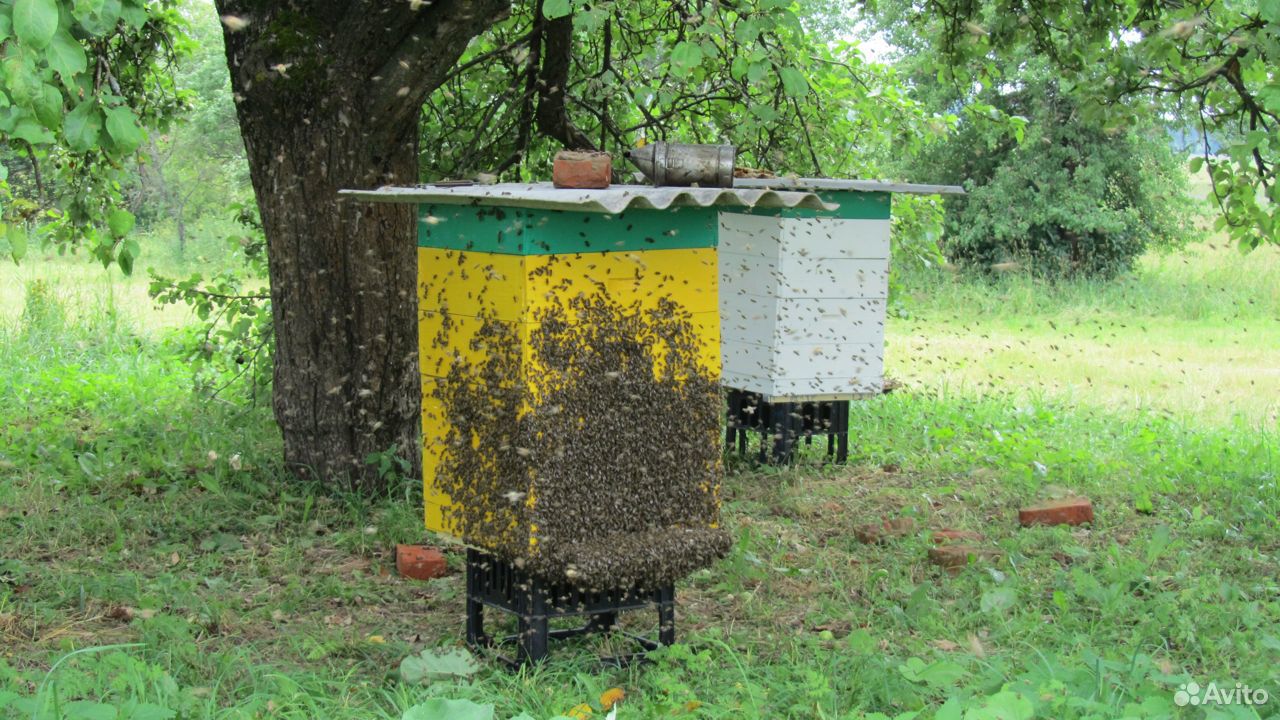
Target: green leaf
[[1270, 95], [123, 127], [442, 709], [66, 56], [746, 31], [553, 9], [794, 82], [82, 127], [6, 28], [87, 710], [757, 71], [998, 600], [29, 129], [48, 108], [35, 21], [937, 674], [120, 222], [17, 237], [134, 14], [429, 665], [98, 17], [1270, 11], [685, 57], [950, 710], [1006, 705], [21, 79]]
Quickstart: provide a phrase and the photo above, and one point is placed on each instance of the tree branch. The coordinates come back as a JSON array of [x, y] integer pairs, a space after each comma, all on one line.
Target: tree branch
[[420, 63], [553, 114]]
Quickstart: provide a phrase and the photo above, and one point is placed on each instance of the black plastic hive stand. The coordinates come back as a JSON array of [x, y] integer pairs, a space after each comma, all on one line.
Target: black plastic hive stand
[[783, 424], [498, 584]]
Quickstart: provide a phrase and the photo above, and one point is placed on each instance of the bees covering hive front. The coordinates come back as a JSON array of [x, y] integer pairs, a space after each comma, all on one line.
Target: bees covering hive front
[[571, 404]]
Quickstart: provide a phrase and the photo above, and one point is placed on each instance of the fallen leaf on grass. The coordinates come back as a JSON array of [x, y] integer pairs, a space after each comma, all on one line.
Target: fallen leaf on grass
[[432, 665], [945, 645], [123, 613]]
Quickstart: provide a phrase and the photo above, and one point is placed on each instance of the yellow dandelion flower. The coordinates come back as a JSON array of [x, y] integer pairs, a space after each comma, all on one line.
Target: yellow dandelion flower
[[579, 712], [611, 697]]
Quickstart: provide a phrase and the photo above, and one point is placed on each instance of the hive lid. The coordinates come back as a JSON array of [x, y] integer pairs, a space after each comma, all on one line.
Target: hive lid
[[612, 200], [812, 184]]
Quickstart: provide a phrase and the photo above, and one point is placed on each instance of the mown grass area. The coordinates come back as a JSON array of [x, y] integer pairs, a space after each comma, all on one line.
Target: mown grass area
[[1191, 334], [157, 563]]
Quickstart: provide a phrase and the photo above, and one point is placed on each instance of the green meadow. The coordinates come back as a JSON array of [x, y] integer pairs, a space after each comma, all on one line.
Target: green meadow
[[158, 563]]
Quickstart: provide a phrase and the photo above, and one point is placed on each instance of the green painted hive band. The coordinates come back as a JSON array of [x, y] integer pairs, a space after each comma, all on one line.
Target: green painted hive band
[[519, 231], [854, 205]]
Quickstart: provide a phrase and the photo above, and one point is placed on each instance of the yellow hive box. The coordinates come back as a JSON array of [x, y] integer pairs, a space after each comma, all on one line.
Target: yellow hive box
[[457, 288], [634, 459]]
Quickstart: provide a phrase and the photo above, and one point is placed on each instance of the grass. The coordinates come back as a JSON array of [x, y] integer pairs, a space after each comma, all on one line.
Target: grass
[[1192, 335], [85, 287], [158, 563]]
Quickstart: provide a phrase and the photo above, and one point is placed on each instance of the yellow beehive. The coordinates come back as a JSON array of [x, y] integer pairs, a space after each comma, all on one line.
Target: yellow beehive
[[482, 305], [570, 353]]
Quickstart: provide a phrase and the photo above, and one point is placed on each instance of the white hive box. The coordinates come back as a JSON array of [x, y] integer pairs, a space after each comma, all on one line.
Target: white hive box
[[803, 294], [802, 305]]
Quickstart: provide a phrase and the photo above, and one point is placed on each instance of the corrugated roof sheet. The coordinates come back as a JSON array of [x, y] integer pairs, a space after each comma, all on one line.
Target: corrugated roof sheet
[[611, 200], [795, 183]]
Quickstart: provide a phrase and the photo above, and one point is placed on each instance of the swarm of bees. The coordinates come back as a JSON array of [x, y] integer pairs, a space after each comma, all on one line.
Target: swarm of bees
[[599, 464]]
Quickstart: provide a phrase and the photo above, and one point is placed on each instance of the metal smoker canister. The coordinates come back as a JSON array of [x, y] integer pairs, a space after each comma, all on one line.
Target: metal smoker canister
[[680, 164]]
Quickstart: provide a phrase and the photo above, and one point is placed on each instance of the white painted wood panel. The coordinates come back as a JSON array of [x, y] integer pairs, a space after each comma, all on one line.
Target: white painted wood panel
[[802, 321], [834, 360], [754, 235], [833, 238], [802, 305], [833, 278], [805, 388], [803, 277]]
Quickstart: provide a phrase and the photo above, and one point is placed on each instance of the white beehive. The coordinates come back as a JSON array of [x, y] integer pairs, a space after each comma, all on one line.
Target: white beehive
[[802, 305]]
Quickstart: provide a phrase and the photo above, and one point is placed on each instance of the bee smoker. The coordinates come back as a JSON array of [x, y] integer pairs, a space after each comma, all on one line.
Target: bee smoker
[[681, 164]]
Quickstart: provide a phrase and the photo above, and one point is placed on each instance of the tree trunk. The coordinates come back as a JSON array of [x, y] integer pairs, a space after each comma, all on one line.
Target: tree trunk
[[328, 96], [342, 291]]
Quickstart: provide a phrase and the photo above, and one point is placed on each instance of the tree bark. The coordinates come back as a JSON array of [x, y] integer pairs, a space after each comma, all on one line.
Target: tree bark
[[328, 97]]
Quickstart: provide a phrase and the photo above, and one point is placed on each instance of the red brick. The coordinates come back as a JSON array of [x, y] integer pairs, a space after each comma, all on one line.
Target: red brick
[[954, 558], [880, 532], [420, 562], [948, 535], [579, 169], [1067, 511]]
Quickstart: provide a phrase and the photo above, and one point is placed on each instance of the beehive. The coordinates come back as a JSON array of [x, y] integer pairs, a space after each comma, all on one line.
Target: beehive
[[803, 293], [570, 351]]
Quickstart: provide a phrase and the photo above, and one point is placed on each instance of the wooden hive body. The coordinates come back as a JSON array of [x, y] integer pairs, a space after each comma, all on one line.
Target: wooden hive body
[[487, 270], [803, 298]]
